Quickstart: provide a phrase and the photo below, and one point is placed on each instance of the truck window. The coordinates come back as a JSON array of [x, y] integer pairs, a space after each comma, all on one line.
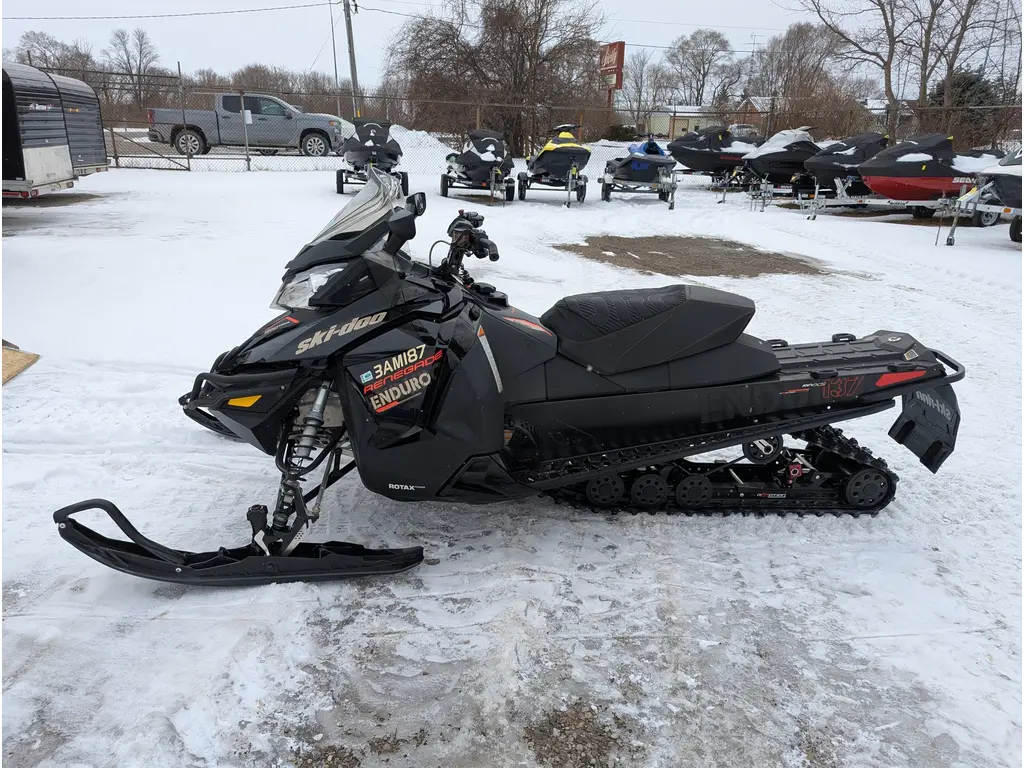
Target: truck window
[[231, 103], [271, 107], [252, 104]]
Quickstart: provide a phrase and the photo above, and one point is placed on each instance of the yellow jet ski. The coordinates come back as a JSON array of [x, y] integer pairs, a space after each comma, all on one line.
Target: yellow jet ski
[[558, 165]]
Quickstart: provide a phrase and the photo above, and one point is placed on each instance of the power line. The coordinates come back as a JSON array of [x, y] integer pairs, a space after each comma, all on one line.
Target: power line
[[169, 15]]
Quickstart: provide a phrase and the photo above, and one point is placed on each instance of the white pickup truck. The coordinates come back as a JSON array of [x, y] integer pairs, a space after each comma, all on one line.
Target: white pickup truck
[[273, 124]]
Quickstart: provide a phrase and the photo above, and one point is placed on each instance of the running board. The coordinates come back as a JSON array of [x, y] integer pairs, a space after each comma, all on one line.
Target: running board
[[225, 567]]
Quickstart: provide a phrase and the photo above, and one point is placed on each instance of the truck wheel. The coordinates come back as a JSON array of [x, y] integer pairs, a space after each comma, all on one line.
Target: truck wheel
[[190, 142], [1015, 225], [315, 145]]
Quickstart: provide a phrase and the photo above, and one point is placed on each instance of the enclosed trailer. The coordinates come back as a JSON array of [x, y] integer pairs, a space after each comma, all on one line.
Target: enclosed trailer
[[52, 131]]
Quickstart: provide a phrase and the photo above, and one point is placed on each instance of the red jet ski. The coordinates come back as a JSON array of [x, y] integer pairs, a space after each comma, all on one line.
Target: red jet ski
[[924, 167]]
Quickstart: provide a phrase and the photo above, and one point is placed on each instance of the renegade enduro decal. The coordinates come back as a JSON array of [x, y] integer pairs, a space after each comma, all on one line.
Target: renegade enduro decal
[[321, 337], [400, 392], [390, 378]]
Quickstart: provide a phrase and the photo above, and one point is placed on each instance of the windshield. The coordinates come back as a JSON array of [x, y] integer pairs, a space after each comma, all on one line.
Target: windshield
[[381, 194], [1011, 159]]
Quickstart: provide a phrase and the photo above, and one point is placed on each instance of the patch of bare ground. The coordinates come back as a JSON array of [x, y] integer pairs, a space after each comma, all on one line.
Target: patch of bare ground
[[576, 737], [695, 256]]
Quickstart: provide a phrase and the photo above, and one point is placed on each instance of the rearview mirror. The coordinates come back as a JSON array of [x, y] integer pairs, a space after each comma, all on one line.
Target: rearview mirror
[[402, 225], [287, 115], [417, 203]]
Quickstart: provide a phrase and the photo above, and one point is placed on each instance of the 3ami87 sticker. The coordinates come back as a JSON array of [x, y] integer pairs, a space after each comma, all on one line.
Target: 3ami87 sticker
[[396, 379]]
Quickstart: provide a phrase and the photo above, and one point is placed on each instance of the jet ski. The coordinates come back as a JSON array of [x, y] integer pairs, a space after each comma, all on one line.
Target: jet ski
[[558, 165], [370, 145], [482, 164], [782, 157], [712, 151], [1005, 178], [837, 163], [924, 167], [647, 168]]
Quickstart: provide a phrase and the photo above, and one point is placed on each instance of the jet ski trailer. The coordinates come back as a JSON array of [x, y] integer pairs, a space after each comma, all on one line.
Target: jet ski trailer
[[484, 163], [557, 165], [646, 169], [371, 146]]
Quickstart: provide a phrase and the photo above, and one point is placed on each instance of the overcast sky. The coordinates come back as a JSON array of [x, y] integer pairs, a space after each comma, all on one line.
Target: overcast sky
[[300, 38]]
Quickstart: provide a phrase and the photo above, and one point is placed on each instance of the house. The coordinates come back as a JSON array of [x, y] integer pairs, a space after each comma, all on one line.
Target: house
[[761, 111], [672, 120]]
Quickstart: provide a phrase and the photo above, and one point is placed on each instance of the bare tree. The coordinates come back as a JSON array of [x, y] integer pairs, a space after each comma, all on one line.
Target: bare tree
[[645, 84], [523, 54], [133, 55], [697, 63]]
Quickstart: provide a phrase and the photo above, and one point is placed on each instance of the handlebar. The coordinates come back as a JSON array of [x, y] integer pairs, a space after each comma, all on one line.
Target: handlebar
[[468, 238]]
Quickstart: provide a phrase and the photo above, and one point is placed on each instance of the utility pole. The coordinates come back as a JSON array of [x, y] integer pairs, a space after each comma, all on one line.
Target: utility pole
[[334, 50], [352, 58]]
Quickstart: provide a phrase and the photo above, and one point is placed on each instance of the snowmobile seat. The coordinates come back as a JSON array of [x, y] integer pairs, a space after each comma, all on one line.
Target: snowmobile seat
[[616, 331]]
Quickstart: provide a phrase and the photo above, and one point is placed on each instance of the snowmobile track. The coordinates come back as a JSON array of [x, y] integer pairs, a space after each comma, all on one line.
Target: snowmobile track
[[829, 440]]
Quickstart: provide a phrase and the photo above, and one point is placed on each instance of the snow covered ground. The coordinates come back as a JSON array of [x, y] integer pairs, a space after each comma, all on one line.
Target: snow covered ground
[[736, 641]]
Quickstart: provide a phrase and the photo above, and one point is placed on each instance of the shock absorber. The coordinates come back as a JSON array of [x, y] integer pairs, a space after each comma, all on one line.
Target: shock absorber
[[300, 454]]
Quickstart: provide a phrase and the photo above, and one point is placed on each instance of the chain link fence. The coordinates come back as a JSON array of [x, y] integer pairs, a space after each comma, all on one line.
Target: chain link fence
[[195, 129]]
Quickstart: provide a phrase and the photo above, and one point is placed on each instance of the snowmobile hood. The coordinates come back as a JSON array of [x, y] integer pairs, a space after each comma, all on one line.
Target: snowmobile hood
[[780, 142]]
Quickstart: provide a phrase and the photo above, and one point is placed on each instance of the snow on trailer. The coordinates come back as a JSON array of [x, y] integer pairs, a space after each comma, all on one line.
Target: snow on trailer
[[52, 131], [875, 642]]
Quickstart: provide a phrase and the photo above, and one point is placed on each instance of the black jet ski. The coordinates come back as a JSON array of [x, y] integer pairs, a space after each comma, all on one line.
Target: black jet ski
[[712, 150], [482, 164], [837, 163], [558, 165], [782, 157], [647, 168], [370, 145]]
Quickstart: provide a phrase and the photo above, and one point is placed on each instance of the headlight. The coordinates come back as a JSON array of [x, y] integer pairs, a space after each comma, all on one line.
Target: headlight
[[296, 293]]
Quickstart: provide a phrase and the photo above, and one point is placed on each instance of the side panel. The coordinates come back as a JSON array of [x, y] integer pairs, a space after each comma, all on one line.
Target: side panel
[[45, 165], [420, 401]]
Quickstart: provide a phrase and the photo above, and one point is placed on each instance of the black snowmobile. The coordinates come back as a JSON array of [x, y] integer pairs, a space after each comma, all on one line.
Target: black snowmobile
[[647, 168], [557, 165], [835, 167], [482, 164], [370, 146], [433, 387]]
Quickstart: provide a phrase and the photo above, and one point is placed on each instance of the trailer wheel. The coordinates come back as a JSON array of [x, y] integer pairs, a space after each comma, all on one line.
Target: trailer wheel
[[510, 192], [1015, 229], [189, 142], [986, 218], [339, 181], [581, 189], [522, 189], [921, 213], [444, 185], [606, 192]]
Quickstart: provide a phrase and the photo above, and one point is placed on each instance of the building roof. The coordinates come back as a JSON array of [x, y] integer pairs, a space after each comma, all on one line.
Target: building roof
[[684, 109]]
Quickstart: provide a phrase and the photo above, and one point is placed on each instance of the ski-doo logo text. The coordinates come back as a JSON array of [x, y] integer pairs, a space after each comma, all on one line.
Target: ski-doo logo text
[[935, 403], [326, 335], [400, 392]]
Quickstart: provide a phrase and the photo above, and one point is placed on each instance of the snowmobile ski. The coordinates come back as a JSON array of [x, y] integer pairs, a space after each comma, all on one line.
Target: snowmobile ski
[[245, 565]]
